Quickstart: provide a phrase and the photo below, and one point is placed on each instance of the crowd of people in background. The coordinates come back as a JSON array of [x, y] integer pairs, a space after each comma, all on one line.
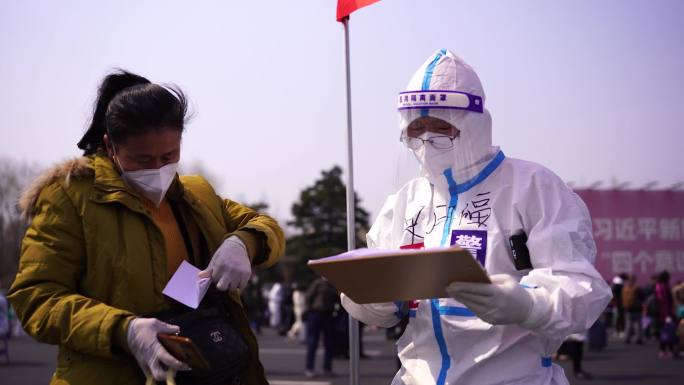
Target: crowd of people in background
[[654, 311], [306, 313], [9, 326], [310, 314], [9, 323]]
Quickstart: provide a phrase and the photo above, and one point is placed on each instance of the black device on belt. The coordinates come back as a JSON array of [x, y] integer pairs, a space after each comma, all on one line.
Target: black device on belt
[[521, 254]]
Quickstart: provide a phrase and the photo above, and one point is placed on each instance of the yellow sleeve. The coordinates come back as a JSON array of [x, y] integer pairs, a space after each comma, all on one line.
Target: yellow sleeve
[[261, 234], [45, 291]]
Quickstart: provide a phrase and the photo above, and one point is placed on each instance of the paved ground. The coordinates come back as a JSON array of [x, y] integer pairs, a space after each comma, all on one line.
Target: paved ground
[[32, 363], [618, 364], [284, 361]]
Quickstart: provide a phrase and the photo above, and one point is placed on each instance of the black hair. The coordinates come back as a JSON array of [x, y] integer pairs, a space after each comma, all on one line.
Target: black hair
[[128, 104], [664, 277]]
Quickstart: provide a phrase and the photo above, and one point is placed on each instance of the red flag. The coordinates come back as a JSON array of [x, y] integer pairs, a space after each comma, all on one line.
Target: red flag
[[346, 7]]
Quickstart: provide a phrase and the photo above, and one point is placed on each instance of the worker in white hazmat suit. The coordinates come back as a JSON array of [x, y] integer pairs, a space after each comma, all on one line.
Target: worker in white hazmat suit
[[471, 195]]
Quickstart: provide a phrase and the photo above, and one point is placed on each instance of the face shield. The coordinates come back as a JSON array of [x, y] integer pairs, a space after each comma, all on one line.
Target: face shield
[[446, 91]]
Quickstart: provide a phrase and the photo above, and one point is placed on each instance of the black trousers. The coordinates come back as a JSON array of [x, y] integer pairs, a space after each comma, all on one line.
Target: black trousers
[[574, 350], [318, 323]]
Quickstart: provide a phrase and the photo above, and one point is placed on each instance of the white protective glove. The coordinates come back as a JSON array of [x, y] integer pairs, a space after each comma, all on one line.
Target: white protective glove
[[230, 267], [502, 302], [375, 314], [148, 351]]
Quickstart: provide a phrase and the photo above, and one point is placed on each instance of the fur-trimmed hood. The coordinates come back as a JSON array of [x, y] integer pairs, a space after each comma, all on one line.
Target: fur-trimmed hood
[[71, 168]]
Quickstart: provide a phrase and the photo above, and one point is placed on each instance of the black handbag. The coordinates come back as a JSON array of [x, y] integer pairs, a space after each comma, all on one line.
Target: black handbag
[[213, 330]]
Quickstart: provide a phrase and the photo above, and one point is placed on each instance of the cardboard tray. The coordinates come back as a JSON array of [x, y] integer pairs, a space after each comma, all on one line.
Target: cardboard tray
[[371, 275]]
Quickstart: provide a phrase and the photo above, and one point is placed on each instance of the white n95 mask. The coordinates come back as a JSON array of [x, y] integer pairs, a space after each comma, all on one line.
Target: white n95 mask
[[433, 160], [152, 183]]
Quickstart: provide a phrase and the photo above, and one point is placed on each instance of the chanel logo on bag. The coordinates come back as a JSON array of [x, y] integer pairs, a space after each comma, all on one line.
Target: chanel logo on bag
[[216, 336]]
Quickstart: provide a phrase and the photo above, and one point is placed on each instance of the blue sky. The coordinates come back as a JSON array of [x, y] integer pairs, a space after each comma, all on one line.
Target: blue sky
[[590, 89]]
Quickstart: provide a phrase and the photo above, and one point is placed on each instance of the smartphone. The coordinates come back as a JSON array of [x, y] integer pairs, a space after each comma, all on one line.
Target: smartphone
[[184, 350]]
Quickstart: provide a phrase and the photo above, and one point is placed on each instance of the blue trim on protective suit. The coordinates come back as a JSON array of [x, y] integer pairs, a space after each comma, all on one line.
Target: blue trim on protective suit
[[437, 324], [546, 362], [428, 76], [456, 310], [453, 202], [454, 190], [399, 313]]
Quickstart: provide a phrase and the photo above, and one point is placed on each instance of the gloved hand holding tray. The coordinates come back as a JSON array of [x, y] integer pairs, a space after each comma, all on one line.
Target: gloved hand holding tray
[[376, 275]]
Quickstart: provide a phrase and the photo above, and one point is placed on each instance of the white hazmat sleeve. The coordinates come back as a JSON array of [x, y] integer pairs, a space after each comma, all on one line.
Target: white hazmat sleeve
[[569, 293], [374, 314]]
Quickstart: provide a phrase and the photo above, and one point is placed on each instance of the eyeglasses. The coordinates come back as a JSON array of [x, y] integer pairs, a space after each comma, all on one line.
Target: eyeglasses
[[438, 142]]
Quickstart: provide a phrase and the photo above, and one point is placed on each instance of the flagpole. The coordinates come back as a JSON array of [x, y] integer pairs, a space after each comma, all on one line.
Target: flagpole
[[351, 220]]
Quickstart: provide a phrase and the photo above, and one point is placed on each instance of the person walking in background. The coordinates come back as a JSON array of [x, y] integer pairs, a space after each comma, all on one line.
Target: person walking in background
[[254, 302], [649, 309], [678, 296], [298, 330], [573, 347], [632, 302], [618, 284], [321, 298], [275, 298], [5, 325], [597, 335], [669, 346], [341, 334], [286, 309], [663, 322]]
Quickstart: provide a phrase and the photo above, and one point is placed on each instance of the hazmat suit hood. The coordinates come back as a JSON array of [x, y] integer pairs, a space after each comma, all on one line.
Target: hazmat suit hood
[[447, 88]]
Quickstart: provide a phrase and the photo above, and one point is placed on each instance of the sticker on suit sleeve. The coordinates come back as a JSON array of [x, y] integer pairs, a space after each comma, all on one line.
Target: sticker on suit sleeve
[[413, 308], [475, 241]]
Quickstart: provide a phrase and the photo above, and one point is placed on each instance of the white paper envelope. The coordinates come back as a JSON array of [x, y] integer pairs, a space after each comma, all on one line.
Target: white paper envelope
[[186, 287]]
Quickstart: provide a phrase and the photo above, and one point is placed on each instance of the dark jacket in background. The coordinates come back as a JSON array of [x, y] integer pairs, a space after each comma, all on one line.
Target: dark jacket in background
[[321, 296]]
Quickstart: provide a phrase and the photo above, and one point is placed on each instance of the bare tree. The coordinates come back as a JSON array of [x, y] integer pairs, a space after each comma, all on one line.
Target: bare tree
[[14, 176]]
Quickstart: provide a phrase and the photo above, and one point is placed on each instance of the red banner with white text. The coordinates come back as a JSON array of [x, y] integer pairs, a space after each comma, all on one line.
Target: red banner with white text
[[637, 232]]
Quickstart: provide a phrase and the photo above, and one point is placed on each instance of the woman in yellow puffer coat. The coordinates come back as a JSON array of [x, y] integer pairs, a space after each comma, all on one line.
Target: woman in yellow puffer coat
[[109, 229]]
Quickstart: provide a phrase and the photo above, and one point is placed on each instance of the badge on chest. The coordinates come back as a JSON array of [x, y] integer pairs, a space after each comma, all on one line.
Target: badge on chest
[[475, 241]]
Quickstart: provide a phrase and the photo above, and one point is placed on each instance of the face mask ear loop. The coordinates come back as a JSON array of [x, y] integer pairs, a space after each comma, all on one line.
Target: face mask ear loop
[[115, 159], [117, 163]]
